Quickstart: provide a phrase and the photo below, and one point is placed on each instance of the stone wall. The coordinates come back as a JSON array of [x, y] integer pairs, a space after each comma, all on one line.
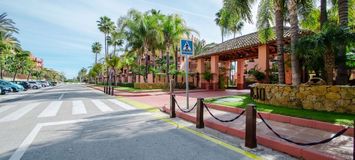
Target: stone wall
[[322, 98]]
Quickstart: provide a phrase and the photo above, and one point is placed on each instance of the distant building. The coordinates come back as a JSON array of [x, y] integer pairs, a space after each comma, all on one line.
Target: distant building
[[38, 61]]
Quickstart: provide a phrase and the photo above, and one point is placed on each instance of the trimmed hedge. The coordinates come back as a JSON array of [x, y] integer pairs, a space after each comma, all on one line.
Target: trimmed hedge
[[131, 85], [151, 85]]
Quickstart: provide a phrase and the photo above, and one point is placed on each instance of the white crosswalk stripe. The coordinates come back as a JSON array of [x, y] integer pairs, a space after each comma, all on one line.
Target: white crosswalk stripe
[[3, 109], [19, 113], [102, 106], [78, 108], [51, 110], [121, 104]]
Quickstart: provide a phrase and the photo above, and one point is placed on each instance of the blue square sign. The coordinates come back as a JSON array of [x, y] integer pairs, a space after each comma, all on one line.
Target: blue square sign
[[186, 47]]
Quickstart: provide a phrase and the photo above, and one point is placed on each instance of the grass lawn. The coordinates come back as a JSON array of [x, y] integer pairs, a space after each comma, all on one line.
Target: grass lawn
[[242, 100], [131, 89]]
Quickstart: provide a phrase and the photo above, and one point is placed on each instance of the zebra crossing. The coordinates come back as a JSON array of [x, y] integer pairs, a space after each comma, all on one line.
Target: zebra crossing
[[53, 108]]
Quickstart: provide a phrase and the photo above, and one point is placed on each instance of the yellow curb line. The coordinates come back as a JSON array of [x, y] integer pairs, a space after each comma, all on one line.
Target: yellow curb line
[[178, 125]]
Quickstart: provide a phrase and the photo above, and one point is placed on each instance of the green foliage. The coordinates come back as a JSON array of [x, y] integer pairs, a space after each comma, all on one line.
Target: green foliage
[[207, 76], [151, 85], [257, 74], [311, 48]]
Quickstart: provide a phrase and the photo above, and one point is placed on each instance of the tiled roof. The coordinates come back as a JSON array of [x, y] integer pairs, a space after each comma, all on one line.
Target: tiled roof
[[244, 41]]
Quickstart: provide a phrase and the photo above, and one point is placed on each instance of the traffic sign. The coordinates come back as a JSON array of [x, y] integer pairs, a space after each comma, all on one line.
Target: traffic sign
[[186, 47]]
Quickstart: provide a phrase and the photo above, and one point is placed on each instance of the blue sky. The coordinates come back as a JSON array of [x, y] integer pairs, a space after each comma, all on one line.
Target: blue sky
[[61, 32]]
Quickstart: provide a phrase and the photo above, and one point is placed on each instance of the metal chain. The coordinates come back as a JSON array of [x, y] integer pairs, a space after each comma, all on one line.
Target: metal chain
[[230, 120], [305, 144], [182, 110]]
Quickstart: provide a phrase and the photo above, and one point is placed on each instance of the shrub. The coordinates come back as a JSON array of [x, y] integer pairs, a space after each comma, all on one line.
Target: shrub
[[207, 76], [151, 85]]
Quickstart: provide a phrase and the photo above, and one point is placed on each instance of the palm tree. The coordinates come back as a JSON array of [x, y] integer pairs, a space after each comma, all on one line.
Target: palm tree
[[218, 21], [294, 30], [342, 75], [106, 26], [265, 18], [174, 29], [115, 40], [200, 46], [6, 24], [96, 49], [112, 62]]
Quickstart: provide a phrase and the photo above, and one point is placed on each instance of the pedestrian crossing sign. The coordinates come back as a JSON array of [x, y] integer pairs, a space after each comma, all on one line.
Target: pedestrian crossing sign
[[186, 47]]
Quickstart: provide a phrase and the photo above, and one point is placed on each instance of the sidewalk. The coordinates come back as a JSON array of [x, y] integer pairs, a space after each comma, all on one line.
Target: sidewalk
[[339, 148]]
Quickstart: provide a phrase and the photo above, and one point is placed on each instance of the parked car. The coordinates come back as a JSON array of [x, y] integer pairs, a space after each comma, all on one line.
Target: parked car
[[44, 83], [35, 85], [15, 87], [5, 88], [25, 85], [2, 90]]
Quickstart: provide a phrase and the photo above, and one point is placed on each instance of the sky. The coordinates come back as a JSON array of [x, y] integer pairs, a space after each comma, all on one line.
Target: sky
[[62, 32]]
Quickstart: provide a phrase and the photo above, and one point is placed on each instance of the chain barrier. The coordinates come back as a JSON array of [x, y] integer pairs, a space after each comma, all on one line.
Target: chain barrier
[[221, 120], [182, 110], [304, 144]]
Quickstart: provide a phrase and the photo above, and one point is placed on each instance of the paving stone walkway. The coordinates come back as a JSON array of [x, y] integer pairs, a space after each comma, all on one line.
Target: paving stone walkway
[[341, 147]]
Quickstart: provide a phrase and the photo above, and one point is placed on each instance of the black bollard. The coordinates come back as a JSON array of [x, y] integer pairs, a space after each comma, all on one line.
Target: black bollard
[[199, 113], [250, 127], [172, 106]]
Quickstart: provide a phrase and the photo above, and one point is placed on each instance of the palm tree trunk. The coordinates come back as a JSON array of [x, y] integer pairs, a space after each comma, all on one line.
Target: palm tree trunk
[[342, 74], [146, 68], [1, 71], [328, 57], [167, 64], [95, 58], [176, 63], [14, 78], [279, 40], [323, 13], [296, 73], [153, 59], [28, 76], [222, 34]]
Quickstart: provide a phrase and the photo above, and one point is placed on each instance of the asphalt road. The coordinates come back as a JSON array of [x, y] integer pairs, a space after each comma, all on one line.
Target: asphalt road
[[75, 122]]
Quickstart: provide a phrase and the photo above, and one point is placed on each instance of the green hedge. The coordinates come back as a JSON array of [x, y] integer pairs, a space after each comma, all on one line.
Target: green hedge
[[151, 86], [131, 85]]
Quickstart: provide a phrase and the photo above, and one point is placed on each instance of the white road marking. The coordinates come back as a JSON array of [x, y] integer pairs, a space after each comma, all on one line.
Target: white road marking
[[20, 151], [61, 96], [19, 113], [3, 109], [102, 106], [121, 104], [78, 108], [51, 110]]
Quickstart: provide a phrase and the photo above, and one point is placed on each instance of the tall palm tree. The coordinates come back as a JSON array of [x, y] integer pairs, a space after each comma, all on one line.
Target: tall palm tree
[[342, 75], [106, 26], [294, 30], [174, 28], [96, 49], [266, 7], [279, 19]]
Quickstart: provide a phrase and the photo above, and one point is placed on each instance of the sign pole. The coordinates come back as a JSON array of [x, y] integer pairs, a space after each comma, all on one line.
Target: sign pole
[[187, 80], [187, 49]]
